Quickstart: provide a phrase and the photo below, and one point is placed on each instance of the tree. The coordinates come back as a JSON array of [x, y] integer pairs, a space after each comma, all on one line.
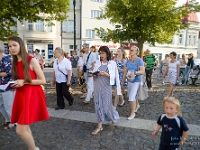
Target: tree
[[32, 10], [144, 20]]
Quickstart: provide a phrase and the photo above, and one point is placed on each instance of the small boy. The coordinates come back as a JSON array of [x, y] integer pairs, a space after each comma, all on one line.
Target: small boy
[[174, 129]]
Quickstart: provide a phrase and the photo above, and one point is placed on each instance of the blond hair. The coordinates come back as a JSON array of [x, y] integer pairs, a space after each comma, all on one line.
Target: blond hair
[[136, 48], [174, 101]]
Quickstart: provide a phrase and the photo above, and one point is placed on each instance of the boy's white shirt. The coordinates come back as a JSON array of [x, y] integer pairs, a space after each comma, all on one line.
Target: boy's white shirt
[[114, 75]]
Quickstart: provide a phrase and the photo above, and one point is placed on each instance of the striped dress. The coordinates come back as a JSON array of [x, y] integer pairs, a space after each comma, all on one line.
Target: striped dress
[[104, 109]]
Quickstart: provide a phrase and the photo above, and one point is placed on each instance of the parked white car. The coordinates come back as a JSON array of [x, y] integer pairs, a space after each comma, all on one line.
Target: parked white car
[[49, 62], [196, 63]]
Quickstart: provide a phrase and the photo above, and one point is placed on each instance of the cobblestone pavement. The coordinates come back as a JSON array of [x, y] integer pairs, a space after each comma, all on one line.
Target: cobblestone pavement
[[63, 134], [150, 109]]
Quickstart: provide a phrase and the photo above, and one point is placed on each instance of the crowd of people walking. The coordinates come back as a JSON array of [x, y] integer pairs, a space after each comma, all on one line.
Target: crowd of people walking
[[105, 77]]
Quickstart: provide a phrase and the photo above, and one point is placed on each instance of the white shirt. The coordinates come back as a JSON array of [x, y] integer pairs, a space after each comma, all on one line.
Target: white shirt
[[182, 63], [80, 63], [173, 66], [92, 58], [64, 66]]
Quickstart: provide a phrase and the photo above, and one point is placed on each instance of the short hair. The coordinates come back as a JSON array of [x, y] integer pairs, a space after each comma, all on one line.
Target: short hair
[[86, 45], [106, 50], [174, 54], [60, 50], [1, 47], [137, 49], [75, 52], [37, 50], [167, 55], [174, 101]]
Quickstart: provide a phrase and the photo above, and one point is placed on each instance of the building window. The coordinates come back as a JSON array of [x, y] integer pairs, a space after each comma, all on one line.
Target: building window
[[30, 25], [14, 28], [64, 26], [96, 13], [194, 39], [71, 6], [100, 1], [180, 39], [189, 40], [39, 25], [90, 34], [71, 26], [48, 27], [71, 47]]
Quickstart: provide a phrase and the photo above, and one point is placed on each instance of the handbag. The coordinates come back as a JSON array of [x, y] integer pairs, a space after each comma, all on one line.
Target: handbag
[[142, 92]]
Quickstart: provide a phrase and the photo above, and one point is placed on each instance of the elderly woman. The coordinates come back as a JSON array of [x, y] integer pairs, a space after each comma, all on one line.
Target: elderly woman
[[62, 72], [173, 70], [134, 69], [105, 75], [6, 97]]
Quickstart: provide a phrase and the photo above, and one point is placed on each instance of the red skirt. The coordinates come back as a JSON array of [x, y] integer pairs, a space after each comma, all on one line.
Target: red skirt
[[29, 105]]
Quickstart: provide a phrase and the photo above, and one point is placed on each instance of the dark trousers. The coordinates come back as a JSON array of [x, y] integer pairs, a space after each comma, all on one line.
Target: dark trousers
[[62, 90], [148, 77], [168, 147]]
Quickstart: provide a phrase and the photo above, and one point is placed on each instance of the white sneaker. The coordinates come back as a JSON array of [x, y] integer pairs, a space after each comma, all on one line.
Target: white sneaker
[[131, 117], [83, 96]]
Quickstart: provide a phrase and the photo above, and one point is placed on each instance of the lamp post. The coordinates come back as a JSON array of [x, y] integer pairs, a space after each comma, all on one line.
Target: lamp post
[[74, 3]]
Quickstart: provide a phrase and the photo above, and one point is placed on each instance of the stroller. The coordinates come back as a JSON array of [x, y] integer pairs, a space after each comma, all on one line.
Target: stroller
[[194, 78]]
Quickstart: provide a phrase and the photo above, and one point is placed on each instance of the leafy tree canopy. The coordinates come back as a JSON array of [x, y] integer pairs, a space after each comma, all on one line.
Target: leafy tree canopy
[[144, 20], [29, 10]]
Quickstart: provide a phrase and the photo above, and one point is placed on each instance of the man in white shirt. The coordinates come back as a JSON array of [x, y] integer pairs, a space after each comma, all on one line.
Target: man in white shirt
[[89, 59]]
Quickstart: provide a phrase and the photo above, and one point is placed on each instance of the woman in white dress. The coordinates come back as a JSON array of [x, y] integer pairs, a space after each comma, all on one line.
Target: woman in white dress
[[173, 70]]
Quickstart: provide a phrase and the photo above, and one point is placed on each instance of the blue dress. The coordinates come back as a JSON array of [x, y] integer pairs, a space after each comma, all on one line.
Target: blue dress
[[120, 64]]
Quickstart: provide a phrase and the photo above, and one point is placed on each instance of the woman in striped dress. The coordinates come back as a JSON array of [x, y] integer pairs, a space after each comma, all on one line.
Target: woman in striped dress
[[105, 75]]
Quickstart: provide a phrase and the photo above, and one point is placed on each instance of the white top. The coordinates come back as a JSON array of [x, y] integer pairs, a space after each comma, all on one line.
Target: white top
[[64, 66], [182, 64], [165, 62], [92, 58], [38, 57], [80, 63], [173, 66]]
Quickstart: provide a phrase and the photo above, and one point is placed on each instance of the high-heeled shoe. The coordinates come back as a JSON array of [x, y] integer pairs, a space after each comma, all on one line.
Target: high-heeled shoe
[[97, 130], [131, 117]]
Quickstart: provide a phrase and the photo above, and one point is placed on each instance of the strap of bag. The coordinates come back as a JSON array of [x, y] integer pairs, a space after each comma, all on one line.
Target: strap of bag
[[59, 69], [88, 58]]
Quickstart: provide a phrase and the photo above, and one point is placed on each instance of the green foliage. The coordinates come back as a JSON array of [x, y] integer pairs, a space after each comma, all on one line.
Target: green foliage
[[144, 20], [32, 10]]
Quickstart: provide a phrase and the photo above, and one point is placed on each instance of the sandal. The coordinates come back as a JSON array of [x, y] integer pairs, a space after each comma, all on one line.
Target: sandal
[[97, 130], [9, 127], [122, 104]]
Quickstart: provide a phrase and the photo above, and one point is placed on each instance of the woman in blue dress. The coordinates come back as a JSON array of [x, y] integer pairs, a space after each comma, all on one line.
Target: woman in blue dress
[[120, 61], [105, 74]]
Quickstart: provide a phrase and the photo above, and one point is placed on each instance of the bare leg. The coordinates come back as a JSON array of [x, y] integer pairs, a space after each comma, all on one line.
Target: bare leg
[[116, 99], [170, 89], [25, 134], [133, 107]]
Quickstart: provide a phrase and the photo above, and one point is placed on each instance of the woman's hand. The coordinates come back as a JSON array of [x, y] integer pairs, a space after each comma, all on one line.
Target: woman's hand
[[131, 75], [103, 73], [53, 82], [18, 83], [68, 83]]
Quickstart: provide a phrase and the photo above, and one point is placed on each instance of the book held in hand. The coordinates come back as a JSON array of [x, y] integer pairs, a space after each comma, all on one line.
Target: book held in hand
[[7, 86]]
